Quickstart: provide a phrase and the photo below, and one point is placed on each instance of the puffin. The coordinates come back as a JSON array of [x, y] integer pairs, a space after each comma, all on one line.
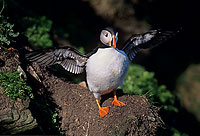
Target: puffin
[[106, 66]]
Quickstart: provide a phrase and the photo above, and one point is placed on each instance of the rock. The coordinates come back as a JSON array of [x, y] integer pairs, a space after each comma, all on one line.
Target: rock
[[15, 117]]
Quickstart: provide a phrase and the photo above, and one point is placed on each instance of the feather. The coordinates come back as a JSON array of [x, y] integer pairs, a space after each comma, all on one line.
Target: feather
[[147, 40], [69, 58]]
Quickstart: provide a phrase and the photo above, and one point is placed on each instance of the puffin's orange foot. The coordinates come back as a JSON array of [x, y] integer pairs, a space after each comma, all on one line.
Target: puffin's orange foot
[[103, 111], [118, 103]]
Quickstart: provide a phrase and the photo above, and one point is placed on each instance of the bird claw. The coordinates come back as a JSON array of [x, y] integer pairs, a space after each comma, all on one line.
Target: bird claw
[[103, 111], [118, 103]]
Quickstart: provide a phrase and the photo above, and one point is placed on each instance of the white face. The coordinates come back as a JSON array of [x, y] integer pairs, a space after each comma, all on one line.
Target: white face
[[106, 37]]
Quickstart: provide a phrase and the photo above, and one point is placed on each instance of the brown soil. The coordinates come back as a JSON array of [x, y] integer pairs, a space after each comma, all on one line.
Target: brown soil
[[78, 111]]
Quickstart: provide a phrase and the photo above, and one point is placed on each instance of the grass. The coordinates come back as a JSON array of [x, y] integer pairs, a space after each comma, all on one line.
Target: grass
[[14, 86]]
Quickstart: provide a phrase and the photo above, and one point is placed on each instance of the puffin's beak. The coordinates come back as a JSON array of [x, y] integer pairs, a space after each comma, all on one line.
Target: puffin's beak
[[113, 42]]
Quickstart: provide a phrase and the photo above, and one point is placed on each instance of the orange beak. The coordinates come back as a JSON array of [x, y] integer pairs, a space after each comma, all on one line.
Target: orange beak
[[113, 42]]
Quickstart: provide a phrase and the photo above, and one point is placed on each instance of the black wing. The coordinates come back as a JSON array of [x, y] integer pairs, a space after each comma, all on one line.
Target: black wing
[[147, 40], [69, 58]]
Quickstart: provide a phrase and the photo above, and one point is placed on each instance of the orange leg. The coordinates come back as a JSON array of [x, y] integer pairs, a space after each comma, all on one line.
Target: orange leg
[[117, 102], [103, 111]]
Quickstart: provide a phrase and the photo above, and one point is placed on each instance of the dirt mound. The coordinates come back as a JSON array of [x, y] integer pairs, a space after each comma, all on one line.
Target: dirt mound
[[78, 111], [80, 114]]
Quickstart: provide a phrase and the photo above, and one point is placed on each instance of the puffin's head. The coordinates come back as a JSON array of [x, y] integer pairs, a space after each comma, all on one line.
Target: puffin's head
[[109, 37]]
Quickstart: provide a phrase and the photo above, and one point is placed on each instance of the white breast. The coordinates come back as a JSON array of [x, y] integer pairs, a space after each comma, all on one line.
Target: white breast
[[106, 70]]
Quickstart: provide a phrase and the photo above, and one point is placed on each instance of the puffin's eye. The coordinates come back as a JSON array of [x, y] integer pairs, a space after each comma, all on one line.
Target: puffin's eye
[[106, 35]]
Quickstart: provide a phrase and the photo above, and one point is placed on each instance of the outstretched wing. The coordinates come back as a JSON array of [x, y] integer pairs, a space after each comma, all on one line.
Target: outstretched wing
[[69, 58], [147, 40]]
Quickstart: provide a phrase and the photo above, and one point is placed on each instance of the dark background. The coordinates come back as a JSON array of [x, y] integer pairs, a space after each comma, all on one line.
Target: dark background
[[82, 20]]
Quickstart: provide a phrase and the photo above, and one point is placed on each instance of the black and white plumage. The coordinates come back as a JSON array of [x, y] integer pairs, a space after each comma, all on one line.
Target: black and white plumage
[[69, 58], [143, 41], [106, 66]]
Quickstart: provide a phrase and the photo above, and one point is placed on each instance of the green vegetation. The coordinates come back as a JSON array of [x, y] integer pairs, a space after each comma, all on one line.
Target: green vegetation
[[141, 82], [14, 86], [6, 31], [37, 30], [81, 50], [177, 133], [56, 123], [48, 119]]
